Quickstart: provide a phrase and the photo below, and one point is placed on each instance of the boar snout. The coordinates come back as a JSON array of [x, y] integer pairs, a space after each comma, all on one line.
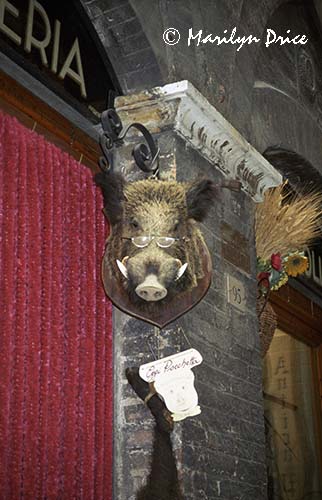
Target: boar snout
[[151, 290], [151, 278]]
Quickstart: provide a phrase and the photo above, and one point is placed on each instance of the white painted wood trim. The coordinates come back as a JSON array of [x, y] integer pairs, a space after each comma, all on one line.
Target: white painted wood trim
[[180, 106]]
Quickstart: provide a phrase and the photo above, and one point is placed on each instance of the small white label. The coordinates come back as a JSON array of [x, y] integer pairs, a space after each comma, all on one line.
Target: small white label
[[236, 293], [170, 364]]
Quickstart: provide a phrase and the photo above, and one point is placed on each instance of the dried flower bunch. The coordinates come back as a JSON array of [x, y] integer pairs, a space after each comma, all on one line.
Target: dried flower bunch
[[274, 273], [286, 223]]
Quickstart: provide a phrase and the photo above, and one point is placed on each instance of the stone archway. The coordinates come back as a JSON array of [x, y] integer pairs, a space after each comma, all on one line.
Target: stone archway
[[286, 107], [125, 42]]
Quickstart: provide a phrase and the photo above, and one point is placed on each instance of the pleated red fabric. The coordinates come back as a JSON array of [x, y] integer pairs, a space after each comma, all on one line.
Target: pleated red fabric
[[55, 325]]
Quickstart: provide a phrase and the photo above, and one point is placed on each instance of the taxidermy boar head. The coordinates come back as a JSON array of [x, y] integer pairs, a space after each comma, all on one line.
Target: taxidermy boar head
[[154, 246]]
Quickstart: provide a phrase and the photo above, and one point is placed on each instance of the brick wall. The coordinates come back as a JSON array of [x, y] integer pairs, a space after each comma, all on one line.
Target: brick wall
[[221, 452], [223, 449]]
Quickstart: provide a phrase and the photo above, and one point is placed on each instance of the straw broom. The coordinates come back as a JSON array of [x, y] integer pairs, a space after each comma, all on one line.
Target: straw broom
[[287, 222]]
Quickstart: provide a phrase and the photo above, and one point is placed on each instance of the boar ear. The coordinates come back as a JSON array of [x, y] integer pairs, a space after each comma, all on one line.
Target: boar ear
[[112, 186], [200, 197]]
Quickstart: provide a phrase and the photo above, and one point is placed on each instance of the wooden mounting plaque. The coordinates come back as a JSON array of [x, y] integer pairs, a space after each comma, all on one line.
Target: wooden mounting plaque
[[164, 313]]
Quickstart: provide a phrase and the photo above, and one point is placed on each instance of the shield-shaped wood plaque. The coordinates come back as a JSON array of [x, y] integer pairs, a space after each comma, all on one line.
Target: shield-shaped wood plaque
[[164, 313]]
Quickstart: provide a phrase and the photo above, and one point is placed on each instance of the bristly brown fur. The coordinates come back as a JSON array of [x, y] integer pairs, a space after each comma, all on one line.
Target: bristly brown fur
[[162, 483], [200, 197], [160, 208], [112, 185], [149, 191]]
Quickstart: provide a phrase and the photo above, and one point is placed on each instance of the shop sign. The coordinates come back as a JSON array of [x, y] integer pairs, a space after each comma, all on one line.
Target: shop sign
[[51, 41]]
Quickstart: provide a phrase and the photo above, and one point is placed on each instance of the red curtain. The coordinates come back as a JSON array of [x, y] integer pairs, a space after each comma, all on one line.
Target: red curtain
[[55, 325]]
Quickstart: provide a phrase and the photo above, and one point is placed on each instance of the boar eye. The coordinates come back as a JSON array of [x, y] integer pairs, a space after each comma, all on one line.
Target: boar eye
[[134, 224], [176, 225]]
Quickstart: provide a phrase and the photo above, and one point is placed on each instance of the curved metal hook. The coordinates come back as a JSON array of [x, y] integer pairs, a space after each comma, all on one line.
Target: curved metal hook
[[145, 155], [111, 124], [106, 162]]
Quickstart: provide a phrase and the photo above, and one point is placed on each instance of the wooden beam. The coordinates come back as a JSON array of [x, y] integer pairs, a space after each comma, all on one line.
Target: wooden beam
[[298, 315], [39, 116]]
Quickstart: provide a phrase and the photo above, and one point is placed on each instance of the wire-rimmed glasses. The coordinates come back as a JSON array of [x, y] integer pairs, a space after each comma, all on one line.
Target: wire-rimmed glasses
[[162, 241]]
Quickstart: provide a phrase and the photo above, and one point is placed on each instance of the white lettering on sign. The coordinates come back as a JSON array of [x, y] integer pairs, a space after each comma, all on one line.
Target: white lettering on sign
[[171, 364], [5, 5], [54, 59], [314, 270], [67, 70], [31, 42]]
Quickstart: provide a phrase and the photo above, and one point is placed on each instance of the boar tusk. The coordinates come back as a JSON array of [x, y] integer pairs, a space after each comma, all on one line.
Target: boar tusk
[[122, 268], [125, 259], [181, 270]]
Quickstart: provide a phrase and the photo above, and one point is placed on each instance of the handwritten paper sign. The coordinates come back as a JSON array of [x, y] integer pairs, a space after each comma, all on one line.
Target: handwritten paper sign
[[174, 382], [171, 364]]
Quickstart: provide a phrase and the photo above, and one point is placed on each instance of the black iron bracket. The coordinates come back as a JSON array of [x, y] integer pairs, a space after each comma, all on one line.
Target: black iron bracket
[[145, 154]]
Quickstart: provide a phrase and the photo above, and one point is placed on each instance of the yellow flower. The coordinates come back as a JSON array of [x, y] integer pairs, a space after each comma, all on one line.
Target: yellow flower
[[296, 264], [282, 281]]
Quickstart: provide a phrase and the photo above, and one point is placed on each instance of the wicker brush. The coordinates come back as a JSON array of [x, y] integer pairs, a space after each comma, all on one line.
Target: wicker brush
[[267, 320]]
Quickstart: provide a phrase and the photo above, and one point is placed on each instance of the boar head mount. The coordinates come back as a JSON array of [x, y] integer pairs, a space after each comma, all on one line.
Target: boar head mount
[[156, 264]]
